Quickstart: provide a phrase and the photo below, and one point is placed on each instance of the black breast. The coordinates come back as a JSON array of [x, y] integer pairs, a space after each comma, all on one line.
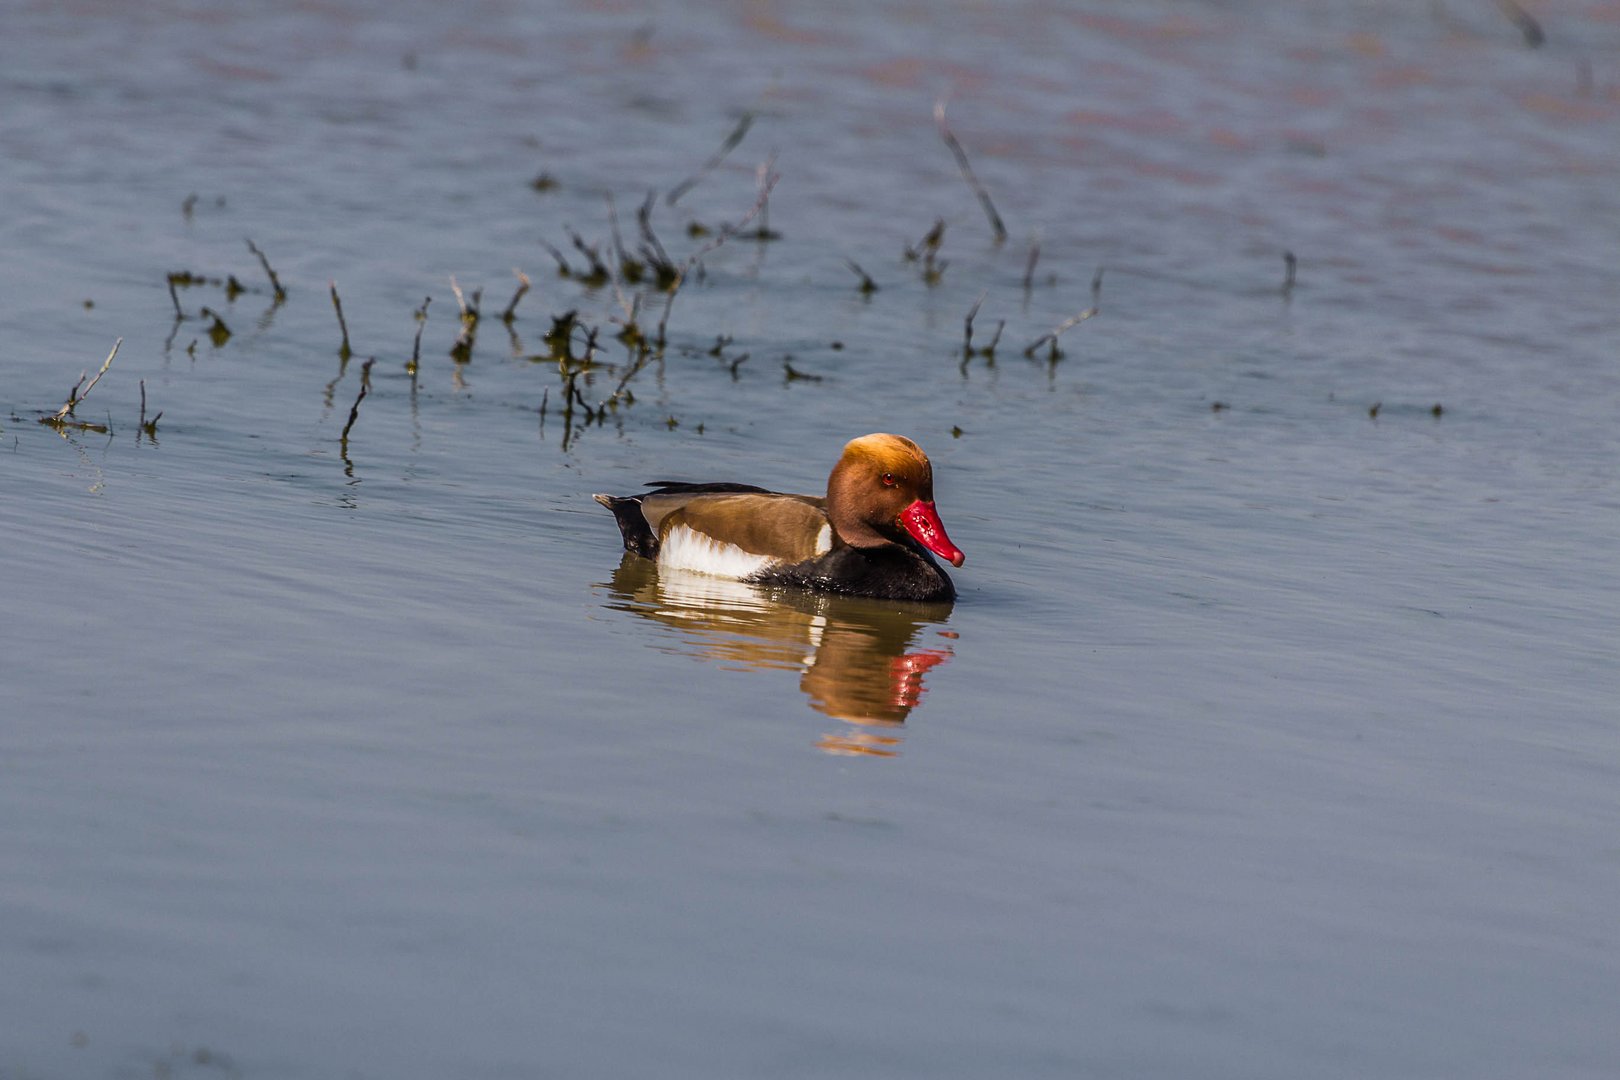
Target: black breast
[[890, 572]]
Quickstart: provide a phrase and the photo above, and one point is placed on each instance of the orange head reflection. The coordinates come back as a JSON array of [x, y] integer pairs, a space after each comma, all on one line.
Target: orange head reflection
[[859, 658]]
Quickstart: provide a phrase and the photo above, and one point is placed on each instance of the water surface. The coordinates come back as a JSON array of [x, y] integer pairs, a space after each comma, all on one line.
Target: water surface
[[1273, 733]]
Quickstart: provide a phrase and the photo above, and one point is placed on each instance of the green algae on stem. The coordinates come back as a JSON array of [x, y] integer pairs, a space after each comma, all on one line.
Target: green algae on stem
[[218, 332], [461, 351], [413, 365]]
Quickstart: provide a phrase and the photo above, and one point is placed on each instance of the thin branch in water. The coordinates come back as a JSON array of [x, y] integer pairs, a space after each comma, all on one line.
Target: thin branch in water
[[1533, 34], [793, 374], [1289, 263], [867, 286], [929, 244], [664, 269], [74, 396], [764, 231], [1051, 337], [337, 305], [148, 426], [174, 298], [1034, 257], [523, 286], [629, 269], [968, 175], [461, 351], [714, 161], [967, 324], [275, 282], [416, 348], [599, 274], [354, 410], [563, 269]]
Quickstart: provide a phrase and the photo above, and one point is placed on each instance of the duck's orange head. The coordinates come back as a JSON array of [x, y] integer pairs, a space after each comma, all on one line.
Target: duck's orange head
[[883, 488]]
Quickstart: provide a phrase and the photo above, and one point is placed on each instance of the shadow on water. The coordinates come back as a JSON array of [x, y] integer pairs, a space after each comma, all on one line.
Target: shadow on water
[[859, 659]]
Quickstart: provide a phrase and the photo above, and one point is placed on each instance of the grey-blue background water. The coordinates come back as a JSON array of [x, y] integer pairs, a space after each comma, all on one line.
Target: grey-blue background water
[[1274, 733]]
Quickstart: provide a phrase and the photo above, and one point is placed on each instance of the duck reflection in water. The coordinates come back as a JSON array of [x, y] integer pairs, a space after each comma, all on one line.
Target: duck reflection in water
[[856, 655]]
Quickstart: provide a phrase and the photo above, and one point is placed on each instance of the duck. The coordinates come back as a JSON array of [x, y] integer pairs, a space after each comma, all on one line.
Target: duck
[[875, 533]]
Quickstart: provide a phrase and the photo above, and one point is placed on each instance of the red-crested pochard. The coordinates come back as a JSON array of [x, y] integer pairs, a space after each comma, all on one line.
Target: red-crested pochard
[[871, 535]]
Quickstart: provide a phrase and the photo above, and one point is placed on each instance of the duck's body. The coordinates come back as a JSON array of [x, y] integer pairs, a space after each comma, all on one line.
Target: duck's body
[[870, 536]]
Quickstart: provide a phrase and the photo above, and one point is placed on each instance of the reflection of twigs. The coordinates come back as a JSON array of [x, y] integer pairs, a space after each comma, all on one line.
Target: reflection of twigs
[[275, 282], [1034, 257], [715, 159], [973, 182], [767, 181], [1289, 263], [74, 396]]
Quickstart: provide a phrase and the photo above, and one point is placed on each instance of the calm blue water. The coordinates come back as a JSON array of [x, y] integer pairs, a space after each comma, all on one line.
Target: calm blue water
[[1274, 732]]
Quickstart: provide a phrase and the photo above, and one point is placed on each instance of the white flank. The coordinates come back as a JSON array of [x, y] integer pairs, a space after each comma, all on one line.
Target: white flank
[[824, 540], [686, 549]]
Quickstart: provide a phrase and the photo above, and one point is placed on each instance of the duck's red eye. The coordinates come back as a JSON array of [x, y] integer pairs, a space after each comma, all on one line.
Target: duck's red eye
[[888, 479]]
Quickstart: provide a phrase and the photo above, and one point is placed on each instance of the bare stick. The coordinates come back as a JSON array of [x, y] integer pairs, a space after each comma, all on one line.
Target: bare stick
[[1289, 262], [1034, 257], [867, 285], [275, 282], [714, 161], [967, 324], [664, 269], [354, 410], [523, 286], [1533, 34], [148, 426], [1073, 320], [74, 396], [337, 305], [973, 182], [416, 347]]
